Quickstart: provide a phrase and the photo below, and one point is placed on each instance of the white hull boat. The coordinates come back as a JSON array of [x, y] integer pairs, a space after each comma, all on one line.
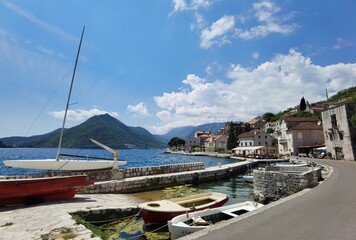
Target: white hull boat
[[63, 164], [188, 223], [248, 178]]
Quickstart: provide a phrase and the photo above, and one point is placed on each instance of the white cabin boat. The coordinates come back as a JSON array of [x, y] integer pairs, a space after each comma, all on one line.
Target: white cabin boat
[[188, 223]]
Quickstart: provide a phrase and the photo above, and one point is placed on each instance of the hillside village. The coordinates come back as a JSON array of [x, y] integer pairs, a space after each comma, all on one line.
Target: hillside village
[[323, 130]]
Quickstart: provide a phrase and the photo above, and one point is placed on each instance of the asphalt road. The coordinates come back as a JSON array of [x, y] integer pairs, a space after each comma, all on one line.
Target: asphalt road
[[327, 212]]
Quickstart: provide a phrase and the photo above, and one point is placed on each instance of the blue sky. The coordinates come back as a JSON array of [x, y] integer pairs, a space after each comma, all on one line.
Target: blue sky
[[161, 64]]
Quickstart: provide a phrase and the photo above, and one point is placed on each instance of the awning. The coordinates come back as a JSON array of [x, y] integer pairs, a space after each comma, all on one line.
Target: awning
[[252, 148]]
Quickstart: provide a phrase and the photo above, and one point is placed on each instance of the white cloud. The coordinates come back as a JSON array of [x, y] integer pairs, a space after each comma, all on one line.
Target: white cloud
[[216, 33], [194, 5], [269, 22], [271, 87], [139, 109], [255, 55], [80, 114], [341, 43]]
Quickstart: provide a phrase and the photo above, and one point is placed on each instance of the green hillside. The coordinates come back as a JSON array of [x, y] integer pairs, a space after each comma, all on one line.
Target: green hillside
[[103, 128]]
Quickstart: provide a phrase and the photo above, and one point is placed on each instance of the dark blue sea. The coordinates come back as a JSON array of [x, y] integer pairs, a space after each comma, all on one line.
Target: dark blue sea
[[134, 158]]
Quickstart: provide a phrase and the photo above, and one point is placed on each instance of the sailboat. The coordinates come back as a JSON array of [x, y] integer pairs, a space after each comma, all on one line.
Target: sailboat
[[70, 164]]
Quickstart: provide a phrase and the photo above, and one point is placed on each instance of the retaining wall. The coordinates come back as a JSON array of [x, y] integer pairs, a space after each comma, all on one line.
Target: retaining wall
[[146, 183], [273, 183]]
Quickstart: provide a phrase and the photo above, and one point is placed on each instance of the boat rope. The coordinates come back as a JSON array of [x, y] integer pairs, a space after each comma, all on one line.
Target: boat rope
[[134, 216], [112, 220]]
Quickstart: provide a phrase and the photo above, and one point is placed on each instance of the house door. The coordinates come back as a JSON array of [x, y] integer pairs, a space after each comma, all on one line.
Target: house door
[[338, 153]]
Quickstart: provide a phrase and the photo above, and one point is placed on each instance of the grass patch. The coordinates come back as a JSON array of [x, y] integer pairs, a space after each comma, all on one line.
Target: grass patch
[[7, 224], [59, 233]]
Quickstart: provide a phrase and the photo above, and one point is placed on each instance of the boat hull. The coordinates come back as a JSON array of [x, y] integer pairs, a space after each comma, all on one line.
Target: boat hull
[[158, 216], [33, 190], [63, 164], [179, 227]]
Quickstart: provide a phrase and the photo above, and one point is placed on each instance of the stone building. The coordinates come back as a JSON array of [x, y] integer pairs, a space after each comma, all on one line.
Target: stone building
[[339, 133], [255, 142], [299, 135]]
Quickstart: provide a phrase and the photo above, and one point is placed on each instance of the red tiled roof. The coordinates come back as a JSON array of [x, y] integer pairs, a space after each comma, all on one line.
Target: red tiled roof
[[307, 126], [248, 134]]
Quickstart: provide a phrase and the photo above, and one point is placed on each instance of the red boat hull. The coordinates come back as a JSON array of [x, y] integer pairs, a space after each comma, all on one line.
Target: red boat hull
[[153, 217], [31, 190]]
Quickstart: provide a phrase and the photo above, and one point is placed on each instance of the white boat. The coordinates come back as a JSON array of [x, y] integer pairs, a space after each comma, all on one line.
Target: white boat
[[248, 178], [188, 223], [69, 164]]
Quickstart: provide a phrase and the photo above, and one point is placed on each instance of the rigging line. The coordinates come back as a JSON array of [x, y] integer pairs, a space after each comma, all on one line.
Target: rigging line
[[49, 100]]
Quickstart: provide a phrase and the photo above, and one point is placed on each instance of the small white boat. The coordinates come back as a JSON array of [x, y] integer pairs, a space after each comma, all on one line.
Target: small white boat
[[188, 223], [159, 212], [248, 178]]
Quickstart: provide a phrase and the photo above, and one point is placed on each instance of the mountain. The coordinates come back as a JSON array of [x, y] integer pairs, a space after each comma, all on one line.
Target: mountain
[[185, 132], [29, 141], [103, 128]]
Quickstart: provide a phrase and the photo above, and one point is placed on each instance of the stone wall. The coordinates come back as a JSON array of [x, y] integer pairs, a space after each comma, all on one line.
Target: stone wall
[[273, 183], [162, 169], [146, 183], [105, 215]]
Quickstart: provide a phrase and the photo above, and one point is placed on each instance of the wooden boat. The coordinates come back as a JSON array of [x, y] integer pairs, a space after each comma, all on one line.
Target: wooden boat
[[35, 190], [188, 223], [159, 212], [69, 164]]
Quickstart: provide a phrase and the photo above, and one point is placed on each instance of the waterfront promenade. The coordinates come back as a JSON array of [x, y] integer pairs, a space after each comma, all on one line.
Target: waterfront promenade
[[325, 212]]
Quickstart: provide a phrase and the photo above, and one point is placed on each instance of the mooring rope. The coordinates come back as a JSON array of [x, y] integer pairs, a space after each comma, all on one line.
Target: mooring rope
[[130, 220]]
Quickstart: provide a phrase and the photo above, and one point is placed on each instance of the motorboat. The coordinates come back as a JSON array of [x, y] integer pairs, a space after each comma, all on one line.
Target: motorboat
[[188, 223], [159, 212]]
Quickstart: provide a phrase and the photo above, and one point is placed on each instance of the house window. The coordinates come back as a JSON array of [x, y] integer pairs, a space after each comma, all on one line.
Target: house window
[[341, 135], [300, 135], [333, 121], [250, 143]]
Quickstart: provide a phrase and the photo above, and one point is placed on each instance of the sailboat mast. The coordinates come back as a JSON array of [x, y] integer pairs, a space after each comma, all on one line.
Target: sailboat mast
[[69, 94]]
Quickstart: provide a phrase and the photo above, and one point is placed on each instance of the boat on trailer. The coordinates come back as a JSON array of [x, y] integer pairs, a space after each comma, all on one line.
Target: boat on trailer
[[69, 164], [15, 191], [159, 212], [188, 223]]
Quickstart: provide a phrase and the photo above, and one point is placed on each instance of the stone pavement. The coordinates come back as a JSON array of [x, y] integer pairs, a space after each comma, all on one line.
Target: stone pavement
[[32, 222]]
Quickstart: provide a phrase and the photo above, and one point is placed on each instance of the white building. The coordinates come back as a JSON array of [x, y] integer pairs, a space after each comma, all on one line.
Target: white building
[[299, 135], [255, 142]]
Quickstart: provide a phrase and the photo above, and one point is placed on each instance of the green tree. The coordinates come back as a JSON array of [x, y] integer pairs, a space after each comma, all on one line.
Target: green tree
[[353, 120], [302, 105], [232, 139], [176, 142], [268, 116]]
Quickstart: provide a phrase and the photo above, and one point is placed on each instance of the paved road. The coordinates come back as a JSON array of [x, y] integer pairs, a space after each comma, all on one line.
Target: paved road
[[328, 212]]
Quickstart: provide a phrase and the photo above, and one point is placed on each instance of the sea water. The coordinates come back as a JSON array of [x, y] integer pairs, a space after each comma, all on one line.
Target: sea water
[[134, 158]]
